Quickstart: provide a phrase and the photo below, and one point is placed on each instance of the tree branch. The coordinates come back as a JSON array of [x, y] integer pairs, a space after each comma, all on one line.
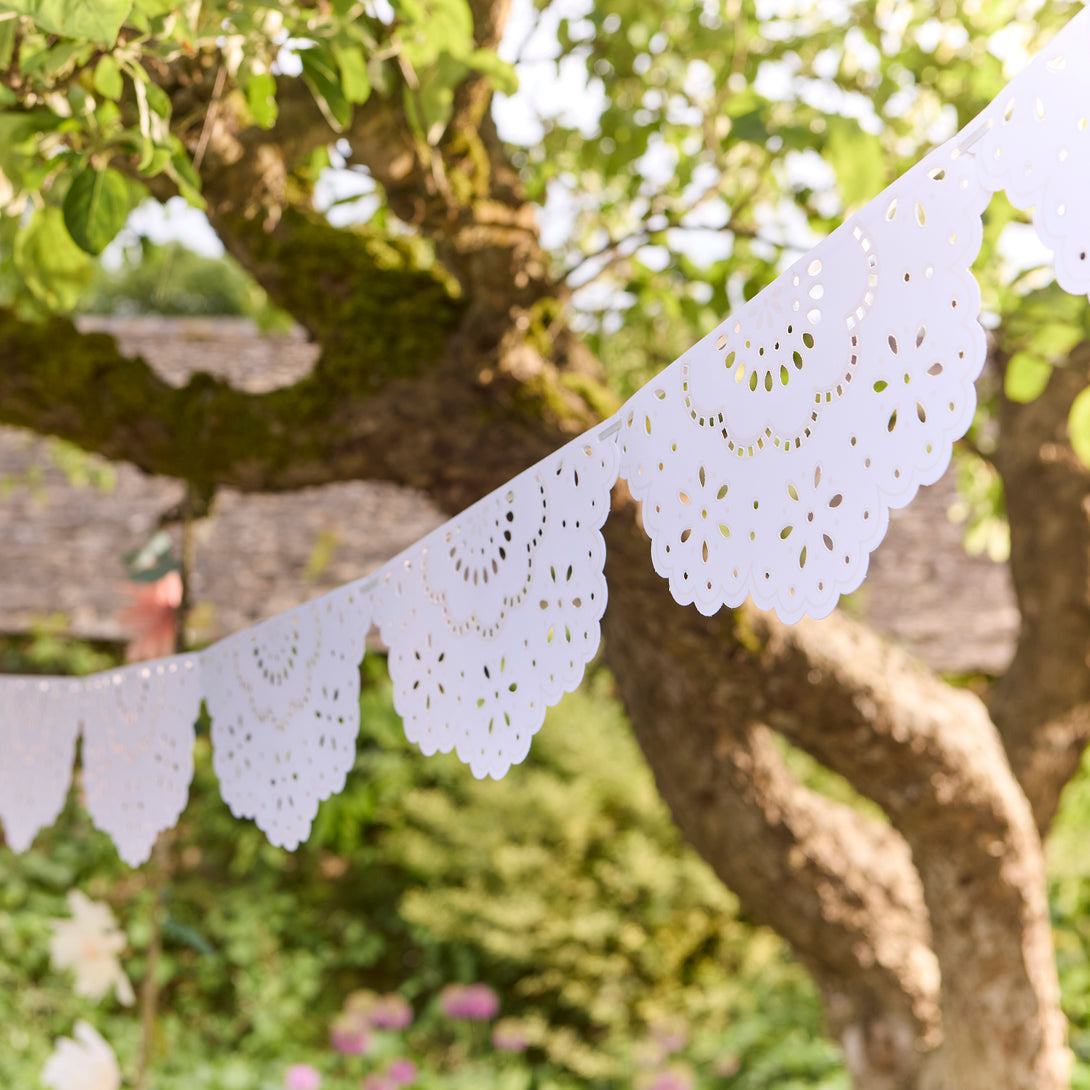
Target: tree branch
[[1042, 704], [444, 430], [931, 758], [839, 886]]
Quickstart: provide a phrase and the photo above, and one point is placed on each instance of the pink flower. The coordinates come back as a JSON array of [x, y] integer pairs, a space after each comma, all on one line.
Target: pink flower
[[509, 1036], [302, 1077], [676, 1077], [378, 1082], [670, 1035], [402, 1071], [391, 1012], [350, 1034], [154, 616], [469, 1002]]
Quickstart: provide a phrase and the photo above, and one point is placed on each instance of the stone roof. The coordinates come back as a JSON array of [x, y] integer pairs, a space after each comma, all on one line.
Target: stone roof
[[61, 546]]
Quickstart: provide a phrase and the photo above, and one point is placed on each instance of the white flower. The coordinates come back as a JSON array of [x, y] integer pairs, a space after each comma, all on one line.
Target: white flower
[[233, 50], [89, 944], [272, 23], [86, 1063]]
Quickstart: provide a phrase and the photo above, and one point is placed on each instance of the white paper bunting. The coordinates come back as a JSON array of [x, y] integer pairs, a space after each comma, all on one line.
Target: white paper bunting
[[284, 702], [494, 616], [768, 456], [767, 459], [39, 725], [138, 749]]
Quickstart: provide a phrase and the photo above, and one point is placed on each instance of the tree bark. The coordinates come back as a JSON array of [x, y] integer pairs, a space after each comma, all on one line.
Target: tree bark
[[838, 885], [931, 758], [1042, 704]]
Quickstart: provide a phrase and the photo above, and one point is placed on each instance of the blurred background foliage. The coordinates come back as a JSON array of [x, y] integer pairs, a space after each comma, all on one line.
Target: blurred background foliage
[[566, 890], [172, 280], [564, 887]]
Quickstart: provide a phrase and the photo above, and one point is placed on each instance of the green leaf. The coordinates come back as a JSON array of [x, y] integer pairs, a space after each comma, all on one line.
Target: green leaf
[[321, 76], [180, 933], [53, 267], [7, 42], [858, 158], [158, 100], [188, 181], [154, 128], [19, 138], [501, 74], [156, 160], [429, 109], [108, 82], [95, 208], [261, 98], [354, 79], [436, 27], [1026, 378], [1078, 426], [107, 115], [154, 8], [750, 128], [98, 20], [58, 60], [1056, 339]]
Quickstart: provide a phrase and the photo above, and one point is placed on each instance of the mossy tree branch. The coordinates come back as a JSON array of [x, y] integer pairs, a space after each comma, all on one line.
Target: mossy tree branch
[[442, 430]]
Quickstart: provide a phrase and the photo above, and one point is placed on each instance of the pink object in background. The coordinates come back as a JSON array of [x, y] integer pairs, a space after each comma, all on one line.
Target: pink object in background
[[350, 1035], [302, 1077], [402, 1071], [679, 1077], [391, 1011], [154, 616], [378, 1082], [469, 1002]]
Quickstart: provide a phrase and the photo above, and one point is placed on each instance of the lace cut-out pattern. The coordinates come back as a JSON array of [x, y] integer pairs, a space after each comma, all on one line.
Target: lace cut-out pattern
[[39, 724], [476, 661], [785, 355], [1036, 146], [484, 565], [284, 702], [772, 475], [138, 749]]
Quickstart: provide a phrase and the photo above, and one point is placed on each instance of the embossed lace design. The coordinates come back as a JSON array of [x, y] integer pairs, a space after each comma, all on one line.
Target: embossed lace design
[[284, 702], [138, 749], [39, 722], [494, 616]]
